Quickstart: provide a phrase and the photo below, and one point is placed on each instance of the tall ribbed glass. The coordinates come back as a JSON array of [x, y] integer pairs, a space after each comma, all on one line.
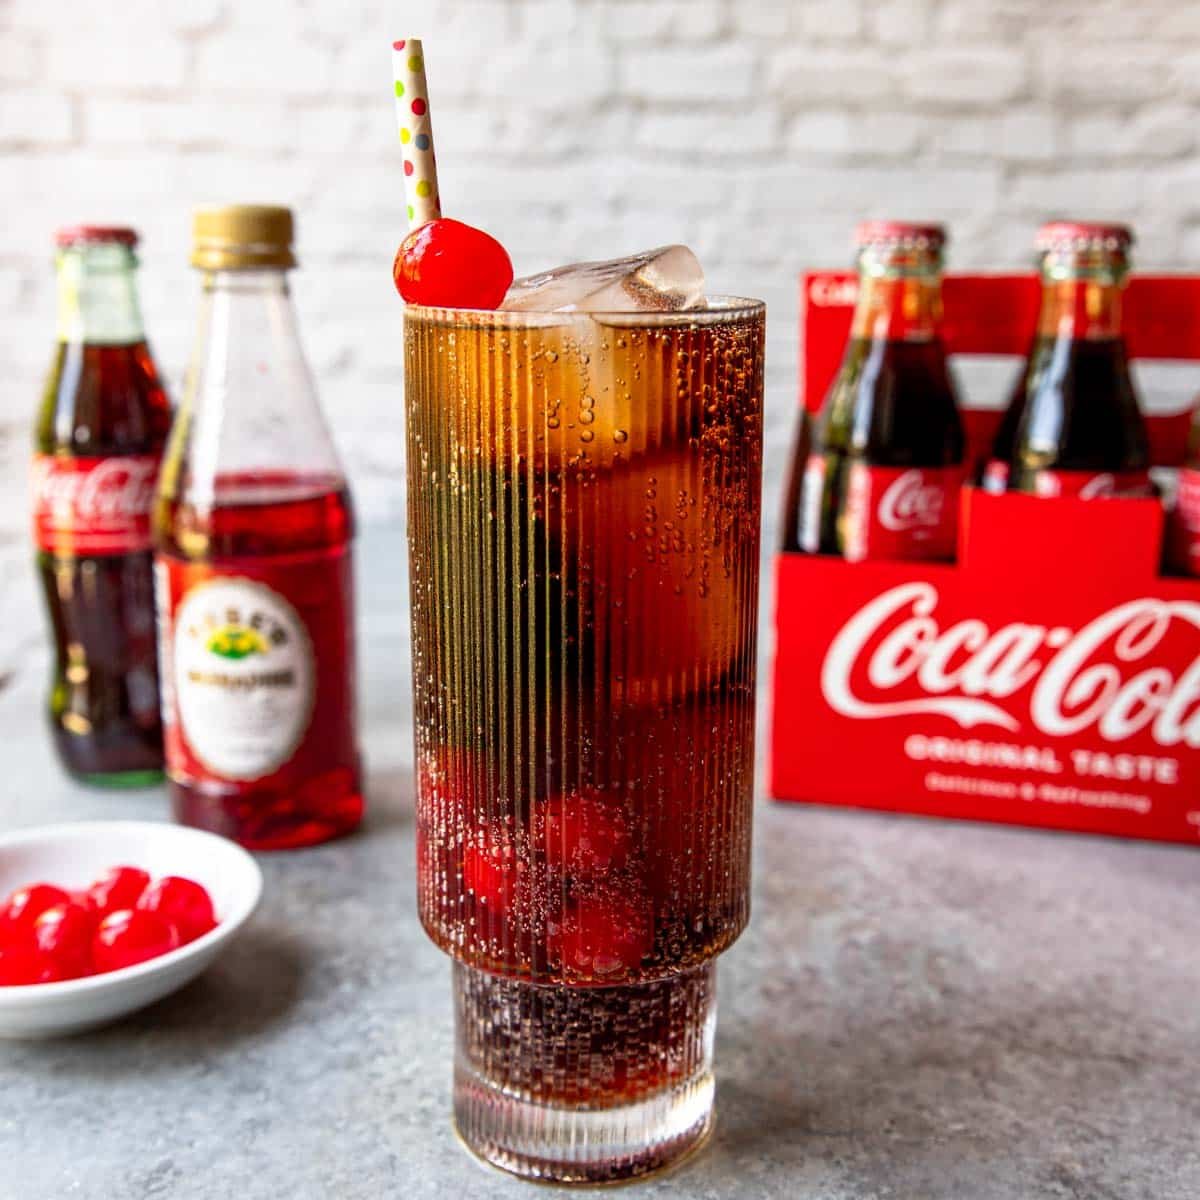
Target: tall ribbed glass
[[584, 505]]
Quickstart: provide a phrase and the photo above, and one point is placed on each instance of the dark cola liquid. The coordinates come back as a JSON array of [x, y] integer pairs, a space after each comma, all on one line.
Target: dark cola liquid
[[583, 538], [102, 401], [1081, 412], [892, 405]]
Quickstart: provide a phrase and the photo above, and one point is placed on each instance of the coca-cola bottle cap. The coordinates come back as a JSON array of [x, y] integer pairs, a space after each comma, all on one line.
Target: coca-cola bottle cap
[[1084, 235], [900, 233], [74, 235]]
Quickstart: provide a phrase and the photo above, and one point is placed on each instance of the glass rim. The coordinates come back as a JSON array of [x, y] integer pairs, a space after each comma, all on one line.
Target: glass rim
[[717, 309]]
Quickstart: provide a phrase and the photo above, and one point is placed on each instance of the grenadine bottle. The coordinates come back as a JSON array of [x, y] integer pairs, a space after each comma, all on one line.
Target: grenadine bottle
[[879, 470], [98, 439], [253, 530], [1080, 431]]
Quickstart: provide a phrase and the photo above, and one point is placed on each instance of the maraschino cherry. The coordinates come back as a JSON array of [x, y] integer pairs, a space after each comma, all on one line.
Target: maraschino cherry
[[448, 264]]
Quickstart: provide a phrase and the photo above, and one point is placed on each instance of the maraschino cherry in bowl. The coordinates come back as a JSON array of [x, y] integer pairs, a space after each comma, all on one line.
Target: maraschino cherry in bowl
[[147, 886]]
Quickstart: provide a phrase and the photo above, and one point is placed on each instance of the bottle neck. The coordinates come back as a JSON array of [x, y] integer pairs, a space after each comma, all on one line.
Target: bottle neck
[[251, 295], [247, 354], [1081, 309], [1081, 292], [247, 310], [898, 305], [250, 419], [97, 296]]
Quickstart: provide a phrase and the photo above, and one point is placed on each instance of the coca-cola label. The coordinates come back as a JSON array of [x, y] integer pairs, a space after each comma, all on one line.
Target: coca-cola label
[[93, 505], [1184, 525], [812, 503], [1094, 485], [896, 658], [900, 512]]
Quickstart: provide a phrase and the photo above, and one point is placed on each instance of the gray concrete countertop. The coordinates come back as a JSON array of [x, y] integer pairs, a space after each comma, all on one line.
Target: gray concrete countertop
[[918, 1010]]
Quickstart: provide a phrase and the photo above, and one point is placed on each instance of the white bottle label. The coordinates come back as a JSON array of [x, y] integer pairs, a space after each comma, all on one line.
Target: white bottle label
[[243, 677], [812, 503]]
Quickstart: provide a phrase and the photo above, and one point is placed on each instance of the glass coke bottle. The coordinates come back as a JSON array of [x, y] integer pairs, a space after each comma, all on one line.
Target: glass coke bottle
[[1183, 522], [253, 534], [1080, 430], [98, 439], [881, 471]]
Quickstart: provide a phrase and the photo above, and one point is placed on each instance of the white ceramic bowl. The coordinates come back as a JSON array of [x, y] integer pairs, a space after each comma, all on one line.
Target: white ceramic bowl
[[72, 856]]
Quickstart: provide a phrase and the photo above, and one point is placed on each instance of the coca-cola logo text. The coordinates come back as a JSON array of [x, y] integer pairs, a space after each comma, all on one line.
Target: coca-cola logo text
[[910, 503], [1084, 485], [1094, 487], [1080, 680], [1102, 487], [93, 504], [114, 491], [1187, 504]]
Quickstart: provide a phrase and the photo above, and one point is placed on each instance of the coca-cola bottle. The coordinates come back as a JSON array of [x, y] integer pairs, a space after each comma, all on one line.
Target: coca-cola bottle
[[1183, 523], [99, 435], [879, 470], [253, 530], [1078, 428]]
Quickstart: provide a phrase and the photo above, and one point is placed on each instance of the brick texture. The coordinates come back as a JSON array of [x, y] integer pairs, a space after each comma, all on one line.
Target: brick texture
[[758, 130]]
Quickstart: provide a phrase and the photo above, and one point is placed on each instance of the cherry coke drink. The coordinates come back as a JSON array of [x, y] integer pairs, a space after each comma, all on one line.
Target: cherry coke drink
[[584, 502], [881, 471], [99, 435], [253, 528], [1076, 425]]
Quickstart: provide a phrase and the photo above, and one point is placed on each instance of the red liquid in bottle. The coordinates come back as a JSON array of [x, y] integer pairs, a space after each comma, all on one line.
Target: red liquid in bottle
[[257, 596]]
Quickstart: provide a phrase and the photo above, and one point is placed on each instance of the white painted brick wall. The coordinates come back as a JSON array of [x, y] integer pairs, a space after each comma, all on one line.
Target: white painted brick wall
[[758, 130]]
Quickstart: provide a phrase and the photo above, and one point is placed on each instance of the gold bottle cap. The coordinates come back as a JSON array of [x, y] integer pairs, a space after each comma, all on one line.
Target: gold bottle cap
[[231, 237]]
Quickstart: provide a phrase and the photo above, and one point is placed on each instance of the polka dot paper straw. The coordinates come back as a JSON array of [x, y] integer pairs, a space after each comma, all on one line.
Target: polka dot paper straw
[[416, 134]]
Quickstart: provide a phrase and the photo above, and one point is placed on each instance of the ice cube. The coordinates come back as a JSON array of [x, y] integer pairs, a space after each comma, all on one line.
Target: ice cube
[[664, 280]]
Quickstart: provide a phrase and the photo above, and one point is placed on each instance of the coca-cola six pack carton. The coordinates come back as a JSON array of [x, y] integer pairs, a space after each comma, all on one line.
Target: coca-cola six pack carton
[[1050, 675]]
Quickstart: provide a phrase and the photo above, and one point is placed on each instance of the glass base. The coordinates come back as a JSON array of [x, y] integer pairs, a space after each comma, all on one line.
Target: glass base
[[583, 1085]]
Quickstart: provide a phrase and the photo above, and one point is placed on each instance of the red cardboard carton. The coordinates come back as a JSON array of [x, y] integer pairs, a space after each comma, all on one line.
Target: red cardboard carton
[[1050, 676]]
